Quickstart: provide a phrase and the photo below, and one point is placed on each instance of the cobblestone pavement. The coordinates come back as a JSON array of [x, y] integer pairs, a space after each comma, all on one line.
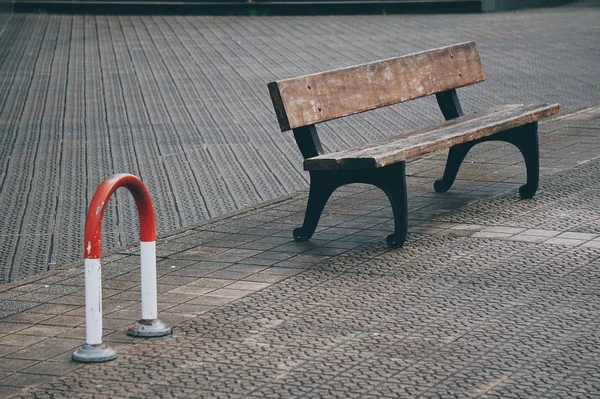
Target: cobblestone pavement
[[494, 298], [182, 102]]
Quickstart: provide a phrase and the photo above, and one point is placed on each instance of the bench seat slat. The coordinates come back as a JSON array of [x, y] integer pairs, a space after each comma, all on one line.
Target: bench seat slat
[[433, 138]]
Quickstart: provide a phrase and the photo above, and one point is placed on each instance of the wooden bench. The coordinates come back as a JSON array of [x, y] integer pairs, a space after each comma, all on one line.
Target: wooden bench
[[302, 102]]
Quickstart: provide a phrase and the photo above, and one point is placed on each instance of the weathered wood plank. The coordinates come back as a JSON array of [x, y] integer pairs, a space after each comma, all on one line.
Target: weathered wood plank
[[320, 97], [432, 138]]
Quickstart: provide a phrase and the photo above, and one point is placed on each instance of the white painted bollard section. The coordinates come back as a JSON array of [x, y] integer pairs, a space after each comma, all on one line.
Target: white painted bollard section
[[148, 259], [149, 325], [93, 302], [93, 351]]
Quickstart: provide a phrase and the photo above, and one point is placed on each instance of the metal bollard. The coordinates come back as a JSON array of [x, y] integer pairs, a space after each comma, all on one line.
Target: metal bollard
[[93, 350]]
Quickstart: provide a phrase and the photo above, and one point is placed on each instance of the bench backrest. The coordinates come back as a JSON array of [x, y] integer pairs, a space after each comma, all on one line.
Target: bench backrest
[[320, 97]]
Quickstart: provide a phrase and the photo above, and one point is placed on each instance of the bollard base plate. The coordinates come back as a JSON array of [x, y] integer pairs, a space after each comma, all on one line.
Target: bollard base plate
[[149, 329], [94, 354]]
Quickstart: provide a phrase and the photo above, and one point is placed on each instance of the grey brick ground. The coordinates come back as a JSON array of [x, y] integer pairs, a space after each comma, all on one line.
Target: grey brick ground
[[488, 298], [182, 102]]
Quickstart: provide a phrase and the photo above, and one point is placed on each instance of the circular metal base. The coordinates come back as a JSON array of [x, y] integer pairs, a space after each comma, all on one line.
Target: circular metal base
[[94, 354], [148, 329]]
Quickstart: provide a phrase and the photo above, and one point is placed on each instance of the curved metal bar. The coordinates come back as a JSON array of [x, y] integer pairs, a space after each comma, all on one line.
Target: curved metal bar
[[93, 221], [149, 325]]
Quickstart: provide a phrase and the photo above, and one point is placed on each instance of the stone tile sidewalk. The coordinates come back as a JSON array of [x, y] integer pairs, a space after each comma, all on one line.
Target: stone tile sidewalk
[[491, 296]]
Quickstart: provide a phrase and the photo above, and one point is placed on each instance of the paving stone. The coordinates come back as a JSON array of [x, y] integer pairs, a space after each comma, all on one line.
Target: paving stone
[[108, 323], [27, 318], [174, 280], [8, 391], [198, 253], [191, 290], [466, 226], [7, 349], [51, 368], [460, 233], [209, 300], [491, 234], [577, 236], [46, 349], [229, 274], [247, 285], [20, 340], [188, 309], [527, 238], [53, 308], [591, 244], [43, 331], [7, 364], [503, 229], [23, 380], [211, 282], [64, 321], [267, 278], [564, 241], [230, 293], [6, 328], [541, 233], [124, 314]]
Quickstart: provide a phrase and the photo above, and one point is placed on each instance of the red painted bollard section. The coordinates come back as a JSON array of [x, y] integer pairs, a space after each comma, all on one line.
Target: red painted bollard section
[[149, 325]]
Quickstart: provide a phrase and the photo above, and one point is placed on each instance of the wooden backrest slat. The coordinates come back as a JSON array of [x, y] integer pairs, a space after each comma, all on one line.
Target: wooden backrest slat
[[320, 97]]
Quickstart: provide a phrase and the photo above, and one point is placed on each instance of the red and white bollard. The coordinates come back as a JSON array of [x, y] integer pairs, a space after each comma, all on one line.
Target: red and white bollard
[[149, 325]]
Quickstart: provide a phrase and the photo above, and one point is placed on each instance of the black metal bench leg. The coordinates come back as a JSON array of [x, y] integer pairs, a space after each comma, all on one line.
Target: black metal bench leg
[[525, 138], [456, 155], [321, 188], [392, 180]]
